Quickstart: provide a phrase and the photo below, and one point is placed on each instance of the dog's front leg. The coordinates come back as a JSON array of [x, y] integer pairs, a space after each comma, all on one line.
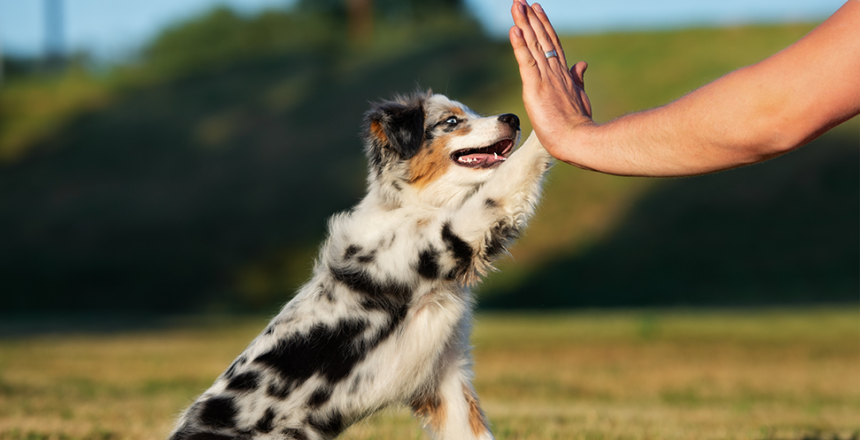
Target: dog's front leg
[[495, 214], [453, 411]]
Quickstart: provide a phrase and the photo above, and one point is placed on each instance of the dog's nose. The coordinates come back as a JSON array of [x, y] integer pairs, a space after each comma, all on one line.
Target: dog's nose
[[510, 119]]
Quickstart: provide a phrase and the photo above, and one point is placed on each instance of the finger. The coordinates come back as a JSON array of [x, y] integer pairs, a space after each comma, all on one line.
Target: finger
[[553, 36], [529, 71], [578, 73], [520, 13], [542, 36]]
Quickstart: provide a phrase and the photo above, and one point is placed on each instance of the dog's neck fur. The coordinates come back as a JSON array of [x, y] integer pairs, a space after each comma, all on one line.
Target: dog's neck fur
[[384, 194]]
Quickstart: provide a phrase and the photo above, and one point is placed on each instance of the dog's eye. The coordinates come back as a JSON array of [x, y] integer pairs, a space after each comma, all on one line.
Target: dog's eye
[[452, 121]]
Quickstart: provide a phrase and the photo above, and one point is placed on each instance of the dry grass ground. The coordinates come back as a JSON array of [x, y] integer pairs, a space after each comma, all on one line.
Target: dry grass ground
[[588, 375]]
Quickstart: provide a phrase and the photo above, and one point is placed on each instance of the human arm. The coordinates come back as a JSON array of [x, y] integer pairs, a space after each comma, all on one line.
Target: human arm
[[748, 116]]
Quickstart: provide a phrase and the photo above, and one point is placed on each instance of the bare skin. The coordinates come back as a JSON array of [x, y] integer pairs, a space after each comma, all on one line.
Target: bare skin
[[747, 116]]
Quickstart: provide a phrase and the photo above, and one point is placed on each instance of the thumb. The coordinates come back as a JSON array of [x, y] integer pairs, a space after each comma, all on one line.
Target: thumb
[[578, 73]]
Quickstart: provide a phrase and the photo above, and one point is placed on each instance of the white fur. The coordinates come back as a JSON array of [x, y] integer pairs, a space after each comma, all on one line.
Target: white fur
[[425, 355]]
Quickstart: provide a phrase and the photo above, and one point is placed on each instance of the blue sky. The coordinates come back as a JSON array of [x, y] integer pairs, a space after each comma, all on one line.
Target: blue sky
[[112, 28]]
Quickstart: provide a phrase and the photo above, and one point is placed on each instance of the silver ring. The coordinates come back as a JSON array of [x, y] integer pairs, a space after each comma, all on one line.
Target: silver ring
[[551, 53]]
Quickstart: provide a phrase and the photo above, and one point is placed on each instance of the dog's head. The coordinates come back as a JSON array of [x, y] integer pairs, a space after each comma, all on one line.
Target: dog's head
[[434, 147]]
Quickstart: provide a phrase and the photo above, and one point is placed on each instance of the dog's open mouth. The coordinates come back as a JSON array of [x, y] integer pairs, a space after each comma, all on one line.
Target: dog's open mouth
[[485, 157]]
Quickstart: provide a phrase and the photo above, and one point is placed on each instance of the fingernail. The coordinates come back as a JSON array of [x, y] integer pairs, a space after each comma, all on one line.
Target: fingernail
[[518, 32], [537, 7]]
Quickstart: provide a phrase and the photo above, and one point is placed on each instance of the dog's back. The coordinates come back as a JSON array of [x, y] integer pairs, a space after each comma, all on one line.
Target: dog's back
[[386, 315]]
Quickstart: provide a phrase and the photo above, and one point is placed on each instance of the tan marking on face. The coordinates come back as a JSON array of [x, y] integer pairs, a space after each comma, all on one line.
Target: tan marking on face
[[476, 418], [376, 130], [458, 111], [432, 409], [462, 130], [429, 164]]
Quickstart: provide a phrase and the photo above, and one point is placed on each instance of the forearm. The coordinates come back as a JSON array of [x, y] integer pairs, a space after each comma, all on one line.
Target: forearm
[[748, 116], [711, 129]]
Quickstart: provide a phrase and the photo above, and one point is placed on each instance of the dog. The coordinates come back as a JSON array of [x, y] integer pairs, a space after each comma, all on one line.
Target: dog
[[386, 316]]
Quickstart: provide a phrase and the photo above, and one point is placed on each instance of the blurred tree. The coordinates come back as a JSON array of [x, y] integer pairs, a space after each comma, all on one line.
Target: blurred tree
[[360, 13], [223, 36], [2, 63], [411, 10]]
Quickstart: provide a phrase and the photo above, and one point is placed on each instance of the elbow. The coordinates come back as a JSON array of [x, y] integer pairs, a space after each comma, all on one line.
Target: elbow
[[772, 146], [774, 138]]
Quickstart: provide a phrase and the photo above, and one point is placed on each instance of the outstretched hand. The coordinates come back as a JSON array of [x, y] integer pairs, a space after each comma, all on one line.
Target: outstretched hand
[[554, 96]]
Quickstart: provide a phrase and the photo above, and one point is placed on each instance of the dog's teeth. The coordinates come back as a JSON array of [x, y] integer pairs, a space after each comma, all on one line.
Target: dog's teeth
[[495, 156]]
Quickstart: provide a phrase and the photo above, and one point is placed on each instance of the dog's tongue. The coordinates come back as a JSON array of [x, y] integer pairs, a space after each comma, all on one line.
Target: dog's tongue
[[480, 160]]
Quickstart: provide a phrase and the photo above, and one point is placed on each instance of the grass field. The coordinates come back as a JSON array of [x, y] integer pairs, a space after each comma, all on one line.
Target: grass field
[[764, 374]]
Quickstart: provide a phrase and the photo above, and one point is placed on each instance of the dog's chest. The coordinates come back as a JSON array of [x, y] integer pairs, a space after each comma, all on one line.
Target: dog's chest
[[413, 247]]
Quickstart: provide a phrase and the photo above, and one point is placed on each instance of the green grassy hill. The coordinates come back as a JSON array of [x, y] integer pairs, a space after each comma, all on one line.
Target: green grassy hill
[[207, 188]]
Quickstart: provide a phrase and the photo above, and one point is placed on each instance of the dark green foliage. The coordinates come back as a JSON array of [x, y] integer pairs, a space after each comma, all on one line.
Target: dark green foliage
[[222, 36], [18, 66], [406, 10]]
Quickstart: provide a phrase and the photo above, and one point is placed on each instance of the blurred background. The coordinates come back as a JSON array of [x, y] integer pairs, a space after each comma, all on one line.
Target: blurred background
[[183, 157], [167, 169]]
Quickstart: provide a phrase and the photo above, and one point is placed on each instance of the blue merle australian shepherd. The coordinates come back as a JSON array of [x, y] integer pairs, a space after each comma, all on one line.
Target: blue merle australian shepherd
[[386, 317]]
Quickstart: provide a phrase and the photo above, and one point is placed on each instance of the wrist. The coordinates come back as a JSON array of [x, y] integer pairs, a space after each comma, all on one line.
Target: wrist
[[572, 142]]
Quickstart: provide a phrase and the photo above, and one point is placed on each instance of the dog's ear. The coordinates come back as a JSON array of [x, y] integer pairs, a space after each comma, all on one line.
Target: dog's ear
[[397, 126]]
